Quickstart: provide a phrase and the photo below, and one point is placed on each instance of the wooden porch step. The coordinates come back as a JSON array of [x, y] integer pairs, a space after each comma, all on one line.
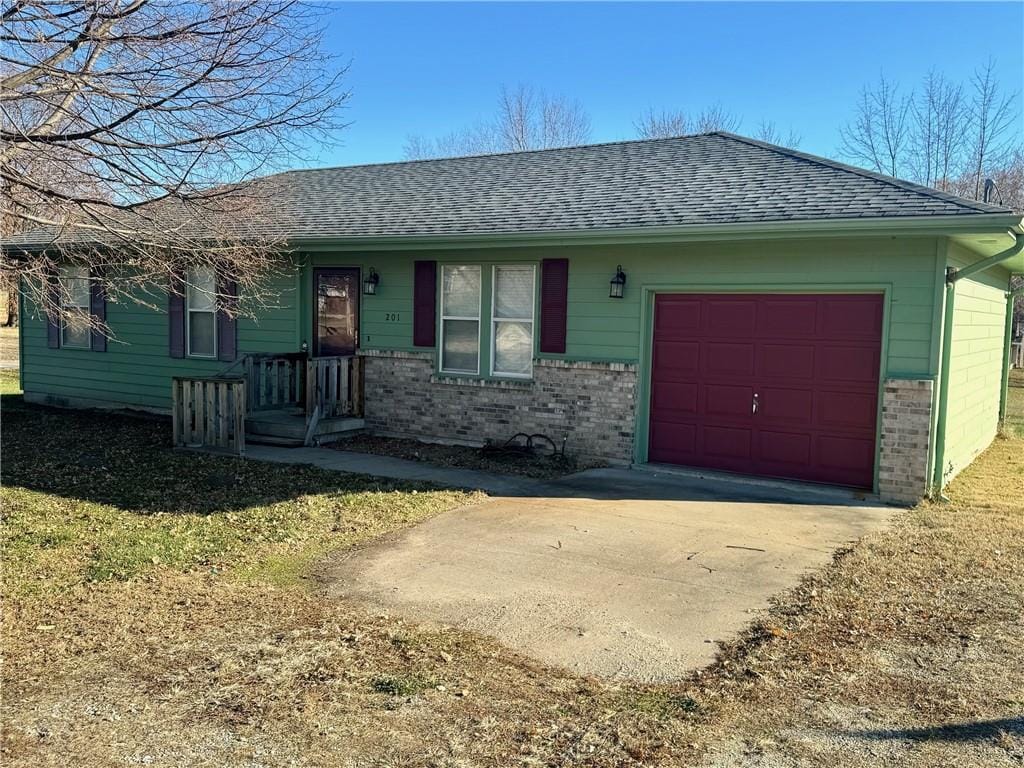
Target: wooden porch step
[[289, 426], [284, 442]]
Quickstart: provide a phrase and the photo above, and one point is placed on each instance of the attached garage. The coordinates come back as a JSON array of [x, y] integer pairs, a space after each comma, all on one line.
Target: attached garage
[[781, 385]]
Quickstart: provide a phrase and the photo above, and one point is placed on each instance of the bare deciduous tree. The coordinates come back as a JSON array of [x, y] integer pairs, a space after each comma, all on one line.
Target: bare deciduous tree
[[939, 130], [665, 124], [991, 120], [880, 133], [947, 135], [526, 119], [133, 128], [768, 132]]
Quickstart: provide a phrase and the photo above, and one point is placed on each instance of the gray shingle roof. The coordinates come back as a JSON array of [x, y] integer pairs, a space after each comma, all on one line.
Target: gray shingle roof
[[713, 178]]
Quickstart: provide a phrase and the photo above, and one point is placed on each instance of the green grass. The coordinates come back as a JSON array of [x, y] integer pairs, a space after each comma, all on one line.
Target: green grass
[[93, 497]]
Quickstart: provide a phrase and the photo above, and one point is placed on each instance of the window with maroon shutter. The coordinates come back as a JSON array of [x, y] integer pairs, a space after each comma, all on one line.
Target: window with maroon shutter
[[554, 304], [52, 321], [98, 310], [424, 311], [176, 317], [227, 327]]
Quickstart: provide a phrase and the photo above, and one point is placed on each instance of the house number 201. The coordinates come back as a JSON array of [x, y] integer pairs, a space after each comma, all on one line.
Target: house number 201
[[391, 317]]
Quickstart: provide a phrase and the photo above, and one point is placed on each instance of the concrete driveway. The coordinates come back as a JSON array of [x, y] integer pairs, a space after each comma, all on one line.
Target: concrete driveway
[[617, 573]]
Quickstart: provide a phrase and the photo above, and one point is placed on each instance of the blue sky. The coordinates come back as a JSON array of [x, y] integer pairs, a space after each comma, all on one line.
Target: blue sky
[[428, 68]]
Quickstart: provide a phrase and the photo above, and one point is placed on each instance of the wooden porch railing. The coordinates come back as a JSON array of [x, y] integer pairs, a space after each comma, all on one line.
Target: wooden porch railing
[[275, 381], [335, 386], [209, 413]]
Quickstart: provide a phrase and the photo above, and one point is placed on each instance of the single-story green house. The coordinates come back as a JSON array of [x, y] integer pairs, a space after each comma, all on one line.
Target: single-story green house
[[708, 301]]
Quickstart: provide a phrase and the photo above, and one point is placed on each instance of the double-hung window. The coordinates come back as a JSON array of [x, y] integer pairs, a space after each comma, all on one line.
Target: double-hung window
[[512, 321], [201, 312], [460, 319], [74, 294]]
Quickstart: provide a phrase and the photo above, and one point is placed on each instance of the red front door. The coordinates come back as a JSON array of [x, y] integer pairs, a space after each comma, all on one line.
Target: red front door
[[782, 385]]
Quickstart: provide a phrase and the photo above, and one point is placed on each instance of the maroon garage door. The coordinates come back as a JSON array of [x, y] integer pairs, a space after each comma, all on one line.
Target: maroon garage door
[[778, 385]]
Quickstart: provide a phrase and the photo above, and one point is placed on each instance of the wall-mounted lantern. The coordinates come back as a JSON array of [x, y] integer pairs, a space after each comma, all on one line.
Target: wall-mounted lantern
[[618, 284], [370, 283]]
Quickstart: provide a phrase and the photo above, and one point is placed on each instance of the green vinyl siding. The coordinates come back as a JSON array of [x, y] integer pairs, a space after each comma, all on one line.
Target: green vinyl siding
[[605, 329], [975, 363], [136, 369]]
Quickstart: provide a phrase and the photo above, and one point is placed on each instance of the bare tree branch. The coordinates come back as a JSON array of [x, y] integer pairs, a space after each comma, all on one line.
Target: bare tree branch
[[768, 132], [133, 132], [526, 118], [665, 124], [879, 135]]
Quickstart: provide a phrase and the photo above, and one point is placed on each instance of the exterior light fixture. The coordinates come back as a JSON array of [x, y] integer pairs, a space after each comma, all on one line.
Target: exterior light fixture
[[618, 284], [370, 283]]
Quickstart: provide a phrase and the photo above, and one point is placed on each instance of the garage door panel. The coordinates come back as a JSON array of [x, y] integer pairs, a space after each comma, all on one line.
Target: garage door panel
[[785, 405], [792, 361], [729, 316], [725, 442], [675, 400], [677, 318], [779, 451], [852, 317], [728, 400], [677, 358], [849, 364], [723, 358], [850, 457], [813, 360], [788, 318], [850, 410], [673, 443]]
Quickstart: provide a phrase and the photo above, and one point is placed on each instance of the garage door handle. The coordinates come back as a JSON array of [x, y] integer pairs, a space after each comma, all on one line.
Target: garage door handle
[[754, 407]]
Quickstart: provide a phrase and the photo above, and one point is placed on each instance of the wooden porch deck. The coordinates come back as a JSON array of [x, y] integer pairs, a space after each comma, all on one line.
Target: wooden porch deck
[[287, 399]]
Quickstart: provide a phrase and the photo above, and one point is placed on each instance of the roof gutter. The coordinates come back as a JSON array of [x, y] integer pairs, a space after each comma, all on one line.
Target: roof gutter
[[953, 276], [962, 224], [884, 227]]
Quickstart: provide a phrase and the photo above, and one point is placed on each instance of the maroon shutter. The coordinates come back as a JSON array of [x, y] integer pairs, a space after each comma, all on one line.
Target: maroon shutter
[[554, 304], [227, 327], [424, 309], [176, 316], [52, 289], [98, 309]]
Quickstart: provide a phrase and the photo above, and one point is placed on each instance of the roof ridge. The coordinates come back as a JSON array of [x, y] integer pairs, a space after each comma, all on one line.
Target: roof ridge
[[903, 184], [506, 153]]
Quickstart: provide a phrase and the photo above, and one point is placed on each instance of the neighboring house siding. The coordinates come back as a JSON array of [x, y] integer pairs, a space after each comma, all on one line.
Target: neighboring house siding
[[136, 369], [975, 365]]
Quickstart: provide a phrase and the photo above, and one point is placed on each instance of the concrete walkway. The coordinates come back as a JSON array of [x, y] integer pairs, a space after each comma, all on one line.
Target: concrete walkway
[[398, 469]]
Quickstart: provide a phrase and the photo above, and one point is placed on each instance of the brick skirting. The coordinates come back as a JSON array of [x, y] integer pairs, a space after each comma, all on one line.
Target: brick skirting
[[591, 406], [906, 426]]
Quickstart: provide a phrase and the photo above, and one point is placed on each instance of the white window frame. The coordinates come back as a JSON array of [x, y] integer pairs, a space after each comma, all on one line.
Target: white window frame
[[63, 276], [495, 320], [189, 289], [478, 319]]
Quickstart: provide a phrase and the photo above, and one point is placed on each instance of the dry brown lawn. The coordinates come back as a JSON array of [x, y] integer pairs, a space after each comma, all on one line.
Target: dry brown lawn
[[908, 650]]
